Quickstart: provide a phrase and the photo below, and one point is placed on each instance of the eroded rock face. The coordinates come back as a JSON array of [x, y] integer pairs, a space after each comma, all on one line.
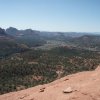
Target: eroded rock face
[[2, 32], [87, 85]]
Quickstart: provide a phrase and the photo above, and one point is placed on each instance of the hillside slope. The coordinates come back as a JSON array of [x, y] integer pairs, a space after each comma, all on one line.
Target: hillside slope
[[87, 41], [84, 85]]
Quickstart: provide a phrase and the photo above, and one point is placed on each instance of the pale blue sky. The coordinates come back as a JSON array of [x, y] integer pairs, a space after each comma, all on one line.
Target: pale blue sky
[[51, 15]]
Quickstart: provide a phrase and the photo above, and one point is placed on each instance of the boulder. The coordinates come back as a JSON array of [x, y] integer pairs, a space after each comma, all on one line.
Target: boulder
[[68, 90]]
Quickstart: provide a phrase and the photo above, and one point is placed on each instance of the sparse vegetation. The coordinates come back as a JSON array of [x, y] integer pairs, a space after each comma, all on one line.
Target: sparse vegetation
[[17, 73], [28, 58]]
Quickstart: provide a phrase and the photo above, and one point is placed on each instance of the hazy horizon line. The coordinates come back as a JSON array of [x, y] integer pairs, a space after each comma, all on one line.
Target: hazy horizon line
[[48, 30]]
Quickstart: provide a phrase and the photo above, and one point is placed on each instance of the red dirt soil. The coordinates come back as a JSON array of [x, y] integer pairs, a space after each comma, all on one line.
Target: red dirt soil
[[84, 85]]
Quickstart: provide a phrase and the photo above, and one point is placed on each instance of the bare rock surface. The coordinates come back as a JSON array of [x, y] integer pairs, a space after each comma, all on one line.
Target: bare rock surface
[[81, 86]]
